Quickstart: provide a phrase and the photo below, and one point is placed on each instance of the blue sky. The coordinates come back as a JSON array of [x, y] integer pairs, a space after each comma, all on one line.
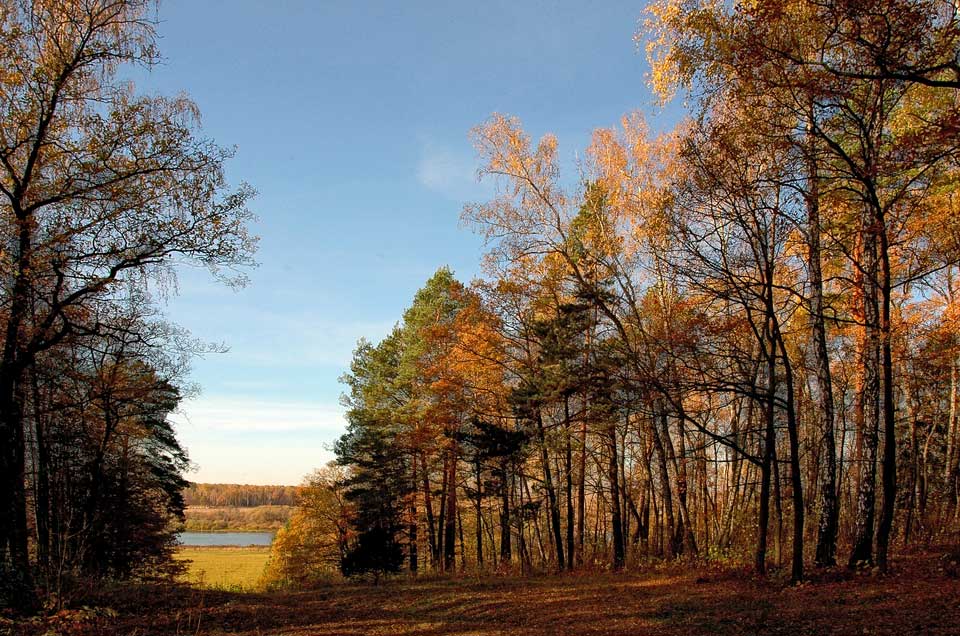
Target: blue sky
[[351, 120]]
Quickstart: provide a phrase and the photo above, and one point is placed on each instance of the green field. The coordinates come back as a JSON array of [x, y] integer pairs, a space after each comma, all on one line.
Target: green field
[[225, 568]]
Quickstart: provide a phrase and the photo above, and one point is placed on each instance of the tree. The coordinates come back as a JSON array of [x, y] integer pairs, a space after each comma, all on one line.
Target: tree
[[860, 94], [106, 468], [100, 188], [705, 317], [429, 364], [379, 478], [314, 542], [493, 450]]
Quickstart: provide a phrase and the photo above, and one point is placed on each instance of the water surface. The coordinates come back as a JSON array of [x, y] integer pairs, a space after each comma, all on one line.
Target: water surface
[[225, 538]]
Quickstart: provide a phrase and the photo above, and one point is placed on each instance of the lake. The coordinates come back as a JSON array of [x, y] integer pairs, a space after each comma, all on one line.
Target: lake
[[225, 538]]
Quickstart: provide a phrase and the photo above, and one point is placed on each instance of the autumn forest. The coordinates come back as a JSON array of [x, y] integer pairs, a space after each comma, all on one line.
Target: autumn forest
[[722, 354]]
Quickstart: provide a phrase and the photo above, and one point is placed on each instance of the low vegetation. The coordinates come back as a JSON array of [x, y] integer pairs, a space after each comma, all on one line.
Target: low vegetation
[[229, 518], [231, 568], [918, 598]]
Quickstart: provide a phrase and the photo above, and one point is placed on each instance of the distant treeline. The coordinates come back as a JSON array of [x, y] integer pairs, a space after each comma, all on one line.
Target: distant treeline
[[235, 518], [239, 495]]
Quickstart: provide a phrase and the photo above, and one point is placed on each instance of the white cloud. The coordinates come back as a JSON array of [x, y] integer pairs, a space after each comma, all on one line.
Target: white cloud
[[244, 414], [449, 172], [238, 439]]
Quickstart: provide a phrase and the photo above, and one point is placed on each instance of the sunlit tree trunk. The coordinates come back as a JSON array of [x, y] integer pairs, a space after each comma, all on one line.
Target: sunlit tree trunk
[[442, 522], [660, 419], [568, 472], [414, 516], [868, 408], [450, 521], [581, 486], [428, 507], [827, 495], [796, 478], [42, 480]]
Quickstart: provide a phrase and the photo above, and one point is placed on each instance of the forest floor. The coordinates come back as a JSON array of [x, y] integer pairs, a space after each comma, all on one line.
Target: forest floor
[[918, 598]]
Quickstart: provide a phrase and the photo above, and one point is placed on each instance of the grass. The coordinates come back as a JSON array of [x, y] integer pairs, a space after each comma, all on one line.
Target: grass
[[918, 598], [227, 568], [230, 518]]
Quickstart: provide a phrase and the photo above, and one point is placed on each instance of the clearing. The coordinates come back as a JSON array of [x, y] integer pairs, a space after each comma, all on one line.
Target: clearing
[[918, 599]]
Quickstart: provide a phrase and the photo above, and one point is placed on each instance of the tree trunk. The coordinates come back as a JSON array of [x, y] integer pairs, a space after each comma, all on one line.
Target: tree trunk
[[914, 472], [581, 486], [889, 475], [506, 552], [769, 455], [525, 564], [463, 544], [42, 497], [613, 475], [624, 483], [674, 547], [680, 468], [763, 517], [479, 510], [13, 497], [13, 521], [450, 534], [442, 518], [826, 551], [868, 408], [568, 470], [643, 522], [551, 492], [796, 480], [951, 465], [777, 510], [414, 521], [536, 520], [428, 507]]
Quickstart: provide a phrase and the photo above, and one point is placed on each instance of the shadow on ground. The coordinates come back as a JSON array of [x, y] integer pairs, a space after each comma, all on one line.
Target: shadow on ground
[[918, 599]]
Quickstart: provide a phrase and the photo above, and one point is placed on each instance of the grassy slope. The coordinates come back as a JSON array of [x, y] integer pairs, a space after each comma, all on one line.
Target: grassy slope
[[225, 567], [917, 600], [228, 518]]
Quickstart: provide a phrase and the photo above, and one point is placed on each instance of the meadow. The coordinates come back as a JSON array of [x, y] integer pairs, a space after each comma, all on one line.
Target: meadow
[[235, 518], [226, 568], [671, 600]]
